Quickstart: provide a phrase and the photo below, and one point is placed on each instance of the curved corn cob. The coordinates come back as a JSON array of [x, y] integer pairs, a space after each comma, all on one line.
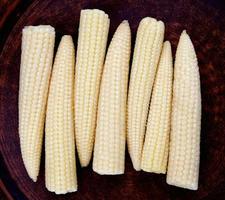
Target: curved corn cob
[[92, 39], [109, 150], [155, 150], [35, 69], [183, 166], [148, 45], [60, 166]]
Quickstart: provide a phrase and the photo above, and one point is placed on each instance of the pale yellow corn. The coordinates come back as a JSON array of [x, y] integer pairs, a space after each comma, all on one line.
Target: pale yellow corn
[[147, 50], [155, 150], [183, 166], [60, 166], [35, 69], [92, 39], [109, 149]]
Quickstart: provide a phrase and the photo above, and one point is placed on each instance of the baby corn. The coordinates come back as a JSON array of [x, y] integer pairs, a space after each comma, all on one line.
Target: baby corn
[[147, 50], [183, 166], [35, 69], [109, 149], [155, 150], [60, 166], [92, 39]]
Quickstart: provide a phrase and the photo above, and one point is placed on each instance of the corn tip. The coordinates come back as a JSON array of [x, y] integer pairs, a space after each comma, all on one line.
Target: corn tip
[[67, 38], [184, 31], [167, 44], [124, 25], [125, 22], [33, 177], [148, 20]]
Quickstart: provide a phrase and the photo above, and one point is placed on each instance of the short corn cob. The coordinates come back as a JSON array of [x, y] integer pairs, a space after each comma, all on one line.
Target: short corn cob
[[35, 69], [60, 166], [109, 150], [183, 166], [147, 50], [155, 150], [92, 39]]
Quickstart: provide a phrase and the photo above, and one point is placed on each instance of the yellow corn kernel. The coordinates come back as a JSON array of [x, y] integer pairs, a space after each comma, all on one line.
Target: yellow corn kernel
[[92, 39], [184, 152], [60, 164], [155, 150], [35, 69], [109, 149], [147, 50]]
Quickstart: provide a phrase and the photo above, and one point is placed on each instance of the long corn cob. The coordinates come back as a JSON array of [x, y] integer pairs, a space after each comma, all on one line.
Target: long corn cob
[[109, 149], [183, 166], [155, 150], [35, 70], [92, 39], [60, 166], [147, 50]]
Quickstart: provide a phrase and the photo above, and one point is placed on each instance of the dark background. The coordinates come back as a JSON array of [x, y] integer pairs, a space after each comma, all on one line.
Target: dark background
[[10, 13]]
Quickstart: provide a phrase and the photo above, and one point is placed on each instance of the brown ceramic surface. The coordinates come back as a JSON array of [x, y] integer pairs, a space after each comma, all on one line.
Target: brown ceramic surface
[[204, 22]]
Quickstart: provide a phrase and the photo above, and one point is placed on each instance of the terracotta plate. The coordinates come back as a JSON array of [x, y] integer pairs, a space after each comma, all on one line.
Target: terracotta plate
[[206, 25]]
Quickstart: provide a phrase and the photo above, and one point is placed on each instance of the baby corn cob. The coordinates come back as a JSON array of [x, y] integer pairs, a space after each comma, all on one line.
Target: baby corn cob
[[155, 150], [147, 50], [109, 149], [35, 69], [60, 166], [183, 166], [92, 39]]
